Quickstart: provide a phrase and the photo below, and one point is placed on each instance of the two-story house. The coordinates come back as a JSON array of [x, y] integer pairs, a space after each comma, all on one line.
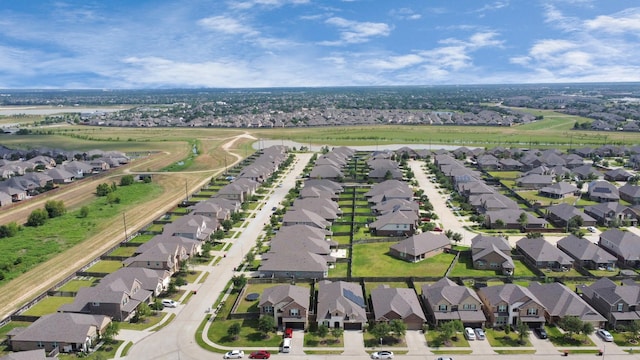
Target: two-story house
[[620, 304], [507, 304], [341, 304], [445, 301], [288, 304]]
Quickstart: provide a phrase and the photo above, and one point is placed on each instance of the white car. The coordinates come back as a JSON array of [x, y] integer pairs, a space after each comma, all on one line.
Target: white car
[[591, 229], [605, 335], [234, 354], [444, 358], [169, 303], [469, 334], [382, 355]]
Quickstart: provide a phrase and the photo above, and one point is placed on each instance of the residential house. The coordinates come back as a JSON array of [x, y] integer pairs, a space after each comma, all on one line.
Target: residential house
[[341, 305], [65, 332], [17, 194], [116, 299], [510, 219], [60, 176], [509, 303], [210, 209], [586, 254], [510, 164], [160, 257], [28, 355], [612, 214], [617, 175], [195, 227], [324, 184], [395, 223], [330, 172], [603, 191], [445, 301], [79, 169], [624, 245], [586, 172], [395, 205], [420, 246], [630, 193], [559, 302], [561, 214], [542, 255], [5, 199], [619, 304], [397, 304], [492, 202], [302, 238], [558, 190], [326, 208], [534, 181], [156, 281], [191, 247], [305, 217], [492, 253], [288, 304], [293, 264]]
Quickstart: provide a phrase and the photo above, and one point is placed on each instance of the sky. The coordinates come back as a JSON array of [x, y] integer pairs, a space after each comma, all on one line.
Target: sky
[[148, 44]]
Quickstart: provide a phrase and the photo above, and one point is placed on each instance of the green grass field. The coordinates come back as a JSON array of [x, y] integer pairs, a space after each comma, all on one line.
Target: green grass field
[[34, 245], [75, 284], [374, 260]]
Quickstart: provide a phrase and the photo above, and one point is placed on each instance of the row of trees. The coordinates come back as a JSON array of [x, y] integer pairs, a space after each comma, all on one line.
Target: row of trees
[[52, 209]]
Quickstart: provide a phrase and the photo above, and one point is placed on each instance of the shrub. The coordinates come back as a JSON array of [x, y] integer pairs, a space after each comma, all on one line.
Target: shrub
[[37, 217], [55, 208], [126, 180]]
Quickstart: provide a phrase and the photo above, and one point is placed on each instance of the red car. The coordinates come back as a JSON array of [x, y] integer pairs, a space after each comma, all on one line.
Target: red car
[[437, 229], [288, 333], [260, 354]]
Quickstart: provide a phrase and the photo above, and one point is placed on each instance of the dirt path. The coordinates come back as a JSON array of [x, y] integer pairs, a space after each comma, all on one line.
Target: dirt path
[[29, 285]]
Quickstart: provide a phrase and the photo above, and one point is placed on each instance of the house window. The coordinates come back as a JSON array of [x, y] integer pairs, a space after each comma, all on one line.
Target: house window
[[620, 307], [294, 312], [494, 265], [502, 308], [469, 307], [268, 309], [95, 304], [532, 311], [442, 307], [40, 344]]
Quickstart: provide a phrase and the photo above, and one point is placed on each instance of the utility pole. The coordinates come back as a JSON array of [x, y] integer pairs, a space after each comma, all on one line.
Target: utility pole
[[124, 220], [186, 192], [225, 165]]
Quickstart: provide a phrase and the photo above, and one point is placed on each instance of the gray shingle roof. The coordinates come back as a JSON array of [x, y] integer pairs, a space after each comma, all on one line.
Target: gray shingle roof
[[401, 301], [583, 249], [560, 301], [541, 250], [62, 327], [343, 297], [422, 243]]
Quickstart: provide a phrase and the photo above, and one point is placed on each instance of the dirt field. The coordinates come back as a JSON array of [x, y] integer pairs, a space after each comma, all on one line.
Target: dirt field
[[20, 290]]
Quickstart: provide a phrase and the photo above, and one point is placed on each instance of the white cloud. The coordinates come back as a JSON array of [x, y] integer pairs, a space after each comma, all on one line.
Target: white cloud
[[405, 14], [395, 62], [496, 5], [248, 4], [623, 22], [354, 32], [226, 25]]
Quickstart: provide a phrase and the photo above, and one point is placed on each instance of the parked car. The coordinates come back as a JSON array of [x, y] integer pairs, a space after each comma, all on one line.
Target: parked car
[[234, 354], [437, 229], [260, 354], [479, 333], [591, 229], [469, 334], [169, 303], [540, 332], [605, 335], [382, 355], [288, 333], [444, 358]]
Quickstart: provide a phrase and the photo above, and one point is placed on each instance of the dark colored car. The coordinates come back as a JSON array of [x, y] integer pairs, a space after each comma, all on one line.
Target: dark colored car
[[540, 332], [260, 354]]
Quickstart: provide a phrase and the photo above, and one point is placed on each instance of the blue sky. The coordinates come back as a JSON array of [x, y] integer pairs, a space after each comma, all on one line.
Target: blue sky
[[289, 43]]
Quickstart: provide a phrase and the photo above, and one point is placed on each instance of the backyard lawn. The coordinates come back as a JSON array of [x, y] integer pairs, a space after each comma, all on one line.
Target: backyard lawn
[[373, 259], [464, 268], [48, 305], [123, 251], [521, 269], [105, 266], [77, 283], [340, 270]]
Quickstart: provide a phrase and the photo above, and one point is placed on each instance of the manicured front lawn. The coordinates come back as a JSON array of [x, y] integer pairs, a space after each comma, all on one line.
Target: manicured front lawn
[[435, 339], [558, 338], [374, 260], [105, 266], [192, 276], [146, 323], [623, 338], [371, 341], [48, 305], [249, 335], [499, 338], [104, 352], [313, 340]]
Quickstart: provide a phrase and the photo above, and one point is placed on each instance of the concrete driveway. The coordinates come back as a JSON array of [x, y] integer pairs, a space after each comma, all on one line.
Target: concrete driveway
[[446, 217], [543, 346], [353, 343], [416, 343]]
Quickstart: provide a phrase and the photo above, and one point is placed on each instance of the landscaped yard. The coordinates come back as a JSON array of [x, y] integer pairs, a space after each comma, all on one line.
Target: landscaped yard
[[141, 239], [625, 338], [498, 338], [373, 259], [340, 270], [435, 339], [371, 341], [147, 322], [313, 340], [75, 284], [105, 266], [127, 251], [48, 305], [464, 268], [104, 352], [249, 335], [559, 338], [252, 306]]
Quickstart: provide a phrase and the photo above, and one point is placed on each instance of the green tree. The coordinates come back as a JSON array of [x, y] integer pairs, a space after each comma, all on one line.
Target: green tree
[[126, 180], [227, 225], [380, 330], [523, 220], [266, 324], [9, 230], [398, 327], [523, 331], [337, 332], [239, 281], [112, 198], [571, 325], [448, 329], [84, 212], [322, 330], [38, 217], [499, 223], [388, 175], [234, 330], [103, 189], [55, 208], [112, 330], [574, 223], [587, 329]]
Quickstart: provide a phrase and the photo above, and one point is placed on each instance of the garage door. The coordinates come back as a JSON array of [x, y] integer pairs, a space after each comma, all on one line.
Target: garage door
[[352, 326], [294, 325]]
